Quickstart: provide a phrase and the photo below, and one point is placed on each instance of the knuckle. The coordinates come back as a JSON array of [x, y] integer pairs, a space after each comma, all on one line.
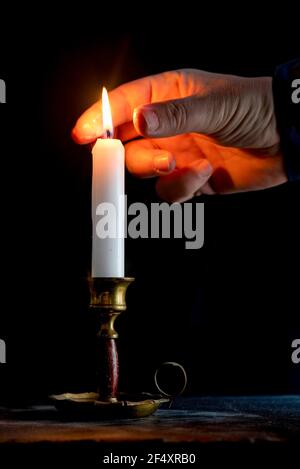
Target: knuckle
[[177, 116]]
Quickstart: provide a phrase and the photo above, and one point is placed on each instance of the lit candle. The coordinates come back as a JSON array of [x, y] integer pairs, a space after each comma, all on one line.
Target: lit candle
[[108, 207]]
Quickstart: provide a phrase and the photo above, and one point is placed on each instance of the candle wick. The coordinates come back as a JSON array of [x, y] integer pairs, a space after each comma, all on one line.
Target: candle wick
[[107, 134]]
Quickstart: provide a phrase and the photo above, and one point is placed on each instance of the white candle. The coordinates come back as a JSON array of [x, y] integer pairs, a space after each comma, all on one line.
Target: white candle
[[108, 207]]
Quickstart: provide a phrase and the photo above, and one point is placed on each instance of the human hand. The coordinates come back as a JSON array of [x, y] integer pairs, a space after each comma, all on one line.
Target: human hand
[[203, 133]]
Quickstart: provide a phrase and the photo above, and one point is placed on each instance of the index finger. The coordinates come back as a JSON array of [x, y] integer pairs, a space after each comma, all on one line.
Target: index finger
[[123, 101]]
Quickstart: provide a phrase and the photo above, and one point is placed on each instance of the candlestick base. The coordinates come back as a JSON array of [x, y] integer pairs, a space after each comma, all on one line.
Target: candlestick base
[[88, 406]]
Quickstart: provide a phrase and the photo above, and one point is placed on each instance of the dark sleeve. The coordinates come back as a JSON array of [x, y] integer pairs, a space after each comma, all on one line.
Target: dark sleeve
[[286, 91]]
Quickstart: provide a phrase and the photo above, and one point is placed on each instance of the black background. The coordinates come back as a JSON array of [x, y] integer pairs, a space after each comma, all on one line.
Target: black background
[[227, 312]]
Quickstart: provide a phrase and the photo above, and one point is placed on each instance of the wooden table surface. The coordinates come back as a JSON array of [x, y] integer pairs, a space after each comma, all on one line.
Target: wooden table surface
[[202, 422]]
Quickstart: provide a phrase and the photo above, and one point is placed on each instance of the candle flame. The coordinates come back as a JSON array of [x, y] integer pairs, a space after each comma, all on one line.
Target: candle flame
[[106, 115]]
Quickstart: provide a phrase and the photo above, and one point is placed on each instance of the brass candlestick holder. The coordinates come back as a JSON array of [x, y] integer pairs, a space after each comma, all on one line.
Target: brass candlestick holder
[[107, 301]]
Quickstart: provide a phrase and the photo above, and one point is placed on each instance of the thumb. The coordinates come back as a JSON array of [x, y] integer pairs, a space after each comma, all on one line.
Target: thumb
[[179, 116]]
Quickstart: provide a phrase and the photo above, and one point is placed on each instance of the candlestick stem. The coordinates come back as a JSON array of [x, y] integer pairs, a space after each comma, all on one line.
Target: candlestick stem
[[108, 300]]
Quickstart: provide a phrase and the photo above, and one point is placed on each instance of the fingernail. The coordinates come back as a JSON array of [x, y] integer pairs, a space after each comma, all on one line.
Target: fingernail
[[89, 132], [164, 163], [203, 166], [86, 131], [146, 120]]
